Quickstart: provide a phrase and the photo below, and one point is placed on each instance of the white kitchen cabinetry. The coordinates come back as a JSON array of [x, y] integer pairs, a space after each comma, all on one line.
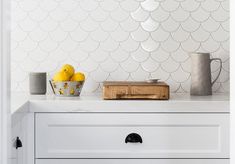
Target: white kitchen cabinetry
[[132, 161], [94, 131], [104, 135]]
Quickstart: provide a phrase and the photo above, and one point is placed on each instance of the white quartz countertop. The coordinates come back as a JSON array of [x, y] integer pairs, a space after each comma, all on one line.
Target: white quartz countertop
[[94, 103]]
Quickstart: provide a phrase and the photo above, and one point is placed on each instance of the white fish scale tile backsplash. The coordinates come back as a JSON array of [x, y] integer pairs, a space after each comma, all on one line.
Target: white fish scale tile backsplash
[[119, 39]]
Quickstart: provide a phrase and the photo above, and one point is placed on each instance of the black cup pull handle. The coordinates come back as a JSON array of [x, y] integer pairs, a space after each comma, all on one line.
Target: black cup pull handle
[[133, 138], [18, 143]]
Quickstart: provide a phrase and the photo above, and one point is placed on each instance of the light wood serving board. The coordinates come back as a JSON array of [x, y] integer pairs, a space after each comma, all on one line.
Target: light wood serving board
[[113, 90]]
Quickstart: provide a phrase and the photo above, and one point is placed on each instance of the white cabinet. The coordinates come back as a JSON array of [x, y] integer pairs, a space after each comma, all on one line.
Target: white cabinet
[[135, 161], [103, 135]]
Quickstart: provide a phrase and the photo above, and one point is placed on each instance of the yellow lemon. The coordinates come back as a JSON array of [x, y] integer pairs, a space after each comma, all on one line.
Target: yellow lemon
[[78, 77], [67, 68], [61, 76]]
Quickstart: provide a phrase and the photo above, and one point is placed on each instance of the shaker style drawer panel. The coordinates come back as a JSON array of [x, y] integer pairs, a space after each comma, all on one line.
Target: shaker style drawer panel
[[135, 161], [104, 135]]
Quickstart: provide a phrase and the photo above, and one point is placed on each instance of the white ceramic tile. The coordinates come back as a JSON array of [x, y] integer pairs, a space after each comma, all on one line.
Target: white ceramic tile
[[109, 25], [109, 5], [129, 24], [170, 45], [200, 35], [190, 5], [140, 55], [160, 15], [170, 25], [210, 25], [170, 65], [119, 14], [150, 24], [140, 14], [38, 55], [89, 25], [190, 25], [68, 5], [210, 45], [220, 15], [200, 15], [77, 55], [69, 25], [129, 45], [89, 65], [180, 75], [170, 5], [99, 55], [160, 55], [89, 45], [190, 45], [89, 5], [130, 65], [119, 39], [149, 45], [119, 55], [48, 24], [79, 14], [160, 35], [28, 45], [140, 75], [140, 35], [150, 5], [180, 55], [99, 14], [99, 35], [210, 5], [119, 34], [18, 34], [99, 75], [59, 14], [28, 5], [129, 5], [57, 35], [109, 65], [180, 35], [48, 5], [220, 35], [119, 74], [28, 24], [150, 65], [225, 5], [160, 74], [79, 35], [109, 45], [180, 15], [68, 45], [48, 44]]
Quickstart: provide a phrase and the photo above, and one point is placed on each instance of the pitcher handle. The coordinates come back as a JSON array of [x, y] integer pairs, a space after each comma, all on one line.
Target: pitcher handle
[[218, 59]]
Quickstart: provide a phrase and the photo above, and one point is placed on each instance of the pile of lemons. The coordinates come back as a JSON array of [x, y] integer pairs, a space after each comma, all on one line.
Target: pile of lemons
[[67, 73]]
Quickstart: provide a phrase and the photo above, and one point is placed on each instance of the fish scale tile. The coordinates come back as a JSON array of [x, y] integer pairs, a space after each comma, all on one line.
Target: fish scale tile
[[119, 39]]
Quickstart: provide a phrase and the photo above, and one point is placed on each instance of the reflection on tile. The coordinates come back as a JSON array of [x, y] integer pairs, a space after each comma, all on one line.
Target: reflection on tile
[[119, 39]]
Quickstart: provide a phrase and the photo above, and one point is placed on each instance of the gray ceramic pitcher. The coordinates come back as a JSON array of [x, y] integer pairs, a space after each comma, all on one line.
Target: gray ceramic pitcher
[[201, 83]]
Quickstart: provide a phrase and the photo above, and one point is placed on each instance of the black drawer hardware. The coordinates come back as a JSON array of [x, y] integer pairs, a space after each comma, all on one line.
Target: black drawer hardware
[[18, 143], [133, 138]]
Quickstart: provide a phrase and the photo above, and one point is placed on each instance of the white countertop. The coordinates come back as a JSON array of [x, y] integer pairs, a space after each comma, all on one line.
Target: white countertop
[[218, 103]]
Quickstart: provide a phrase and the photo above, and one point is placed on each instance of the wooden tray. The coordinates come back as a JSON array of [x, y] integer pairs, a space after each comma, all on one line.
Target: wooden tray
[[135, 90]]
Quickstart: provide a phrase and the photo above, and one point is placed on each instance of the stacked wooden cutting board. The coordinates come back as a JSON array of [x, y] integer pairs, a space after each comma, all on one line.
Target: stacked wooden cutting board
[[135, 90]]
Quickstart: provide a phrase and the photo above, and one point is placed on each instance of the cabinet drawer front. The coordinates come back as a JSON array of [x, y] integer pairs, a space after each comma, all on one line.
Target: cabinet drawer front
[[96, 135], [135, 161]]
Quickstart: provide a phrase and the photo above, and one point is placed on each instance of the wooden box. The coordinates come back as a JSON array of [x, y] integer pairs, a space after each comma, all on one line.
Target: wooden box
[[135, 90]]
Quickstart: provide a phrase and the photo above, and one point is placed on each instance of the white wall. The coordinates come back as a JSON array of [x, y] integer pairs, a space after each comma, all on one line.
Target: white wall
[[4, 83], [119, 39]]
